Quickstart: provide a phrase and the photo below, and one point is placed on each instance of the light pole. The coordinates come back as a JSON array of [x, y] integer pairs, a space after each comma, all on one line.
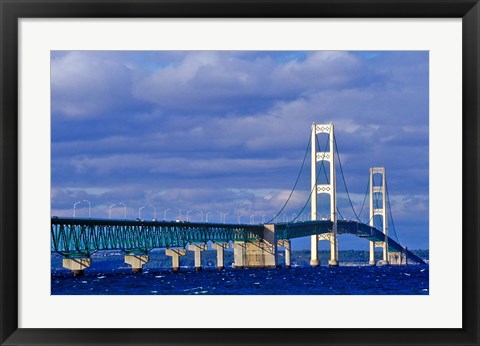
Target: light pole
[[263, 218], [201, 215], [238, 217], [124, 209], [221, 215], [206, 216], [165, 213], [252, 219], [154, 212], [179, 213], [294, 215], [188, 212], [139, 211], [89, 208], [110, 211], [74, 207], [224, 217]]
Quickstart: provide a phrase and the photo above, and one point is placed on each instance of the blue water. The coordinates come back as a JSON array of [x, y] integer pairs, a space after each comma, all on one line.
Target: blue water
[[351, 280]]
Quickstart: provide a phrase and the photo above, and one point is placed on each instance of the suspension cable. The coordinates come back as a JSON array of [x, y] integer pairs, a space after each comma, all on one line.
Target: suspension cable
[[306, 203], [365, 197], [316, 181], [390, 212], [296, 181], [343, 178], [368, 222]]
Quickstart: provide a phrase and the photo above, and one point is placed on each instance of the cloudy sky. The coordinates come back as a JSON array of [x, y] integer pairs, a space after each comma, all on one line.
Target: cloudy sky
[[226, 132]]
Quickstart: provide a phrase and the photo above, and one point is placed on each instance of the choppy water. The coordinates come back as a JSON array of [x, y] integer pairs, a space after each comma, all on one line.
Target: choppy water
[[352, 280]]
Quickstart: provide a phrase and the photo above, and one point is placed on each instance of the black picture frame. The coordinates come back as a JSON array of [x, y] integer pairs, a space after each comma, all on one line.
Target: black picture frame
[[11, 11]]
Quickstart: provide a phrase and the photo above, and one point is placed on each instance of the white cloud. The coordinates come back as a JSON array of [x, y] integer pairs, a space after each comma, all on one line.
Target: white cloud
[[86, 85], [214, 80]]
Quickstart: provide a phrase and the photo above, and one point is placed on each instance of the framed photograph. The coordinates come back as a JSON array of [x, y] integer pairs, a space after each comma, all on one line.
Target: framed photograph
[[194, 172]]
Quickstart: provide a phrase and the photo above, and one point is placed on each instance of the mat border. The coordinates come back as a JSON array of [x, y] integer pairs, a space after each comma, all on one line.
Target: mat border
[[11, 11]]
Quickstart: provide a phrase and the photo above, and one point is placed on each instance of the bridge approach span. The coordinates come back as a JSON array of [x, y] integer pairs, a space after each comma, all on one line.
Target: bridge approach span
[[73, 237]]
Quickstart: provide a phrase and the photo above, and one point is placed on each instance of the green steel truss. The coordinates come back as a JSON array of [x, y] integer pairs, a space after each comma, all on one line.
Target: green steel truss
[[82, 237]]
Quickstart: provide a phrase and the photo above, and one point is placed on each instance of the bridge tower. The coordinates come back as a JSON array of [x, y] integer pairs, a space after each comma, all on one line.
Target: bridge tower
[[379, 211], [329, 188]]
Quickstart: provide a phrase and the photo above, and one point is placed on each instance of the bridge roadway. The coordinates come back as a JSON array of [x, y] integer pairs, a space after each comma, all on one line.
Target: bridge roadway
[[307, 228], [75, 237]]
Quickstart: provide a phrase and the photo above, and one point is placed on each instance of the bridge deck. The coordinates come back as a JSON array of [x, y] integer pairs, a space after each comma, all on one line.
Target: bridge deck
[[73, 237], [308, 228]]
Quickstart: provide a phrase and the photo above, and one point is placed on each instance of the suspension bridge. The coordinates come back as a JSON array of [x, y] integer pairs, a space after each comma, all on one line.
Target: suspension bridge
[[76, 239]]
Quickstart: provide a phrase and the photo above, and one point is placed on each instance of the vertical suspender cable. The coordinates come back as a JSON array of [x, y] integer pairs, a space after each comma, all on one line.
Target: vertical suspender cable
[[296, 182], [390, 212], [343, 178]]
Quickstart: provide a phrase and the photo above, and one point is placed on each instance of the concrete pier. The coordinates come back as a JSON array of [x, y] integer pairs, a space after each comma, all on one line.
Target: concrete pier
[[384, 260], [197, 249], [77, 265], [239, 254], [397, 258], [372, 254], [220, 247], [333, 241], [137, 262], [287, 246], [175, 254], [257, 254], [314, 261], [333, 261]]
